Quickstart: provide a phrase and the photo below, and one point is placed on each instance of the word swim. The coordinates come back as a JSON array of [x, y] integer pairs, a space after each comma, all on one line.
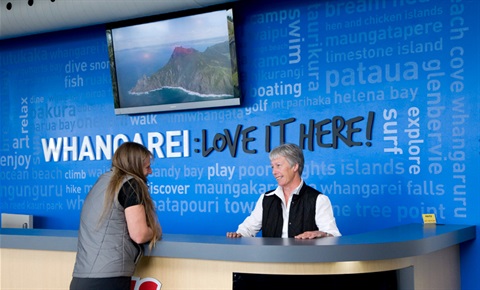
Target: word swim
[[171, 144]]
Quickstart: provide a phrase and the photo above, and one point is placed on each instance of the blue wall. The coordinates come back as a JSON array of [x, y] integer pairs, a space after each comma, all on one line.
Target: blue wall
[[382, 95]]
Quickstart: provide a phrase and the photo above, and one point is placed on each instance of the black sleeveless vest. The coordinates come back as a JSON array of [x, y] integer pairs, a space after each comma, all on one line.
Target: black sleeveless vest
[[302, 213]]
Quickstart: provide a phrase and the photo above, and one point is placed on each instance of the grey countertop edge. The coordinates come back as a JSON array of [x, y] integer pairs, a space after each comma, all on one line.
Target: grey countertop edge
[[390, 243]]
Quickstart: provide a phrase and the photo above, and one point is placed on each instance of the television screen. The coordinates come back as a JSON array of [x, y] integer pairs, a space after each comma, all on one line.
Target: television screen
[[174, 62]]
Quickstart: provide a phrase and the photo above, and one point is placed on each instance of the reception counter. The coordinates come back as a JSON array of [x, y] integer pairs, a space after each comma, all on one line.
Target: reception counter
[[425, 256]]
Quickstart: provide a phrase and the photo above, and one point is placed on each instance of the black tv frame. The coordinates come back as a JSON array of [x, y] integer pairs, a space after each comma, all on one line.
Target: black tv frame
[[120, 109]]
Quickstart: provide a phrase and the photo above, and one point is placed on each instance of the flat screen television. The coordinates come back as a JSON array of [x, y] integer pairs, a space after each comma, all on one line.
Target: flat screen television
[[171, 62]]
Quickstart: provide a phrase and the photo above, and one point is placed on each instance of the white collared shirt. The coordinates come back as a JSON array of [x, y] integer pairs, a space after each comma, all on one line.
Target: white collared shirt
[[323, 215]]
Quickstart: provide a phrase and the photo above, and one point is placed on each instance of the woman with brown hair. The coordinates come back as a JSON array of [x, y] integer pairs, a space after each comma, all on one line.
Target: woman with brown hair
[[117, 216]]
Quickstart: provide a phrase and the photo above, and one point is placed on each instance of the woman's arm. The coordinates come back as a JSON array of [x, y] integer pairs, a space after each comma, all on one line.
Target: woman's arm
[[137, 226], [252, 224], [324, 217]]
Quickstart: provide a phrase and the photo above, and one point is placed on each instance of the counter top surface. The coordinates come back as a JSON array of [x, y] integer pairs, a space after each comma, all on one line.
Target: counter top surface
[[390, 243]]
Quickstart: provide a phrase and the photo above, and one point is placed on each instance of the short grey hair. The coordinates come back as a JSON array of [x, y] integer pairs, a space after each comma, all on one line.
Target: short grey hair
[[292, 153]]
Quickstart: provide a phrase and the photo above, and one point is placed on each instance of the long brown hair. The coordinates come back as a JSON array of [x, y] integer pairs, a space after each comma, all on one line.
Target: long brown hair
[[128, 162]]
